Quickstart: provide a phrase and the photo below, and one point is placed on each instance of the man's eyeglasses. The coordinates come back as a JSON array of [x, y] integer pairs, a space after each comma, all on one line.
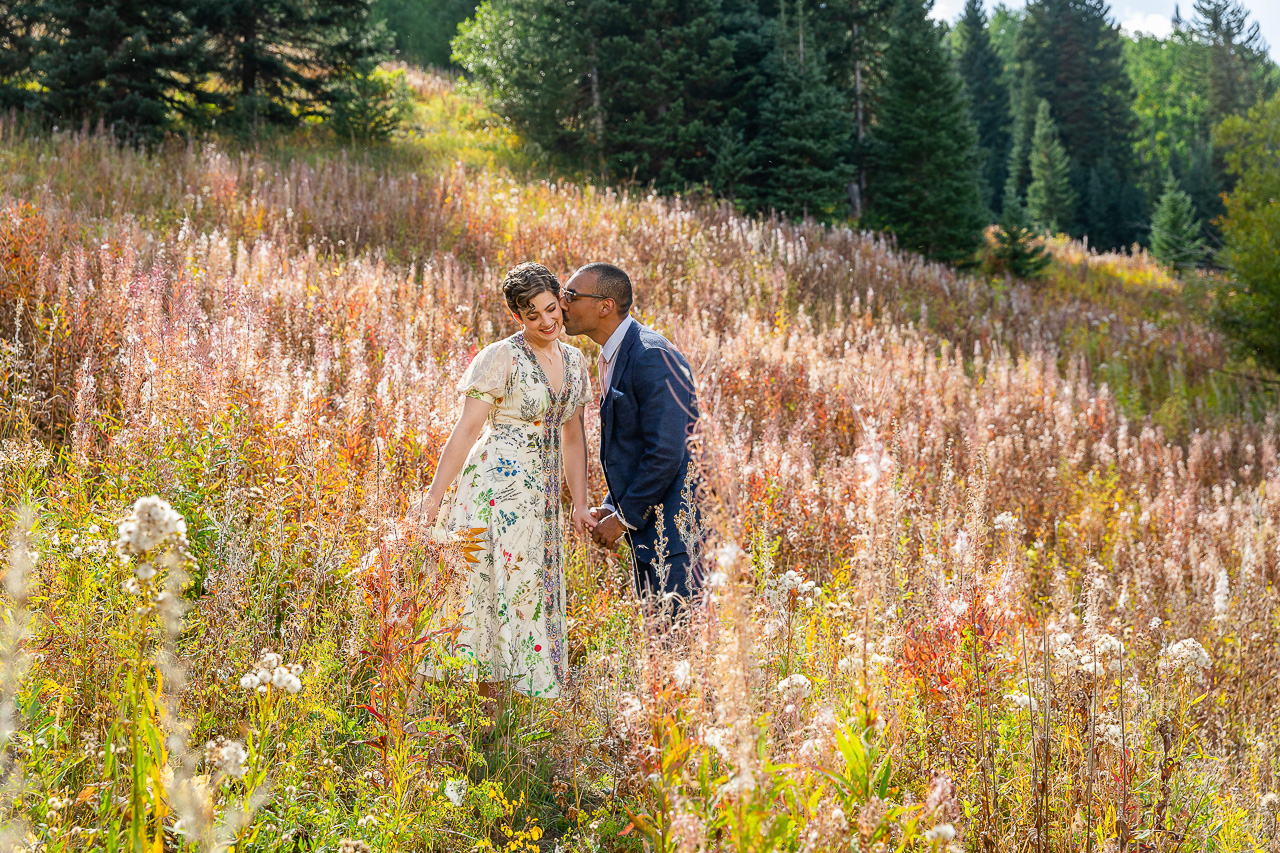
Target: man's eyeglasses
[[570, 294]]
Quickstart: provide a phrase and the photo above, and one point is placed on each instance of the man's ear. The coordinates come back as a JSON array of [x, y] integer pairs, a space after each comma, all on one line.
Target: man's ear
[[607, 307]]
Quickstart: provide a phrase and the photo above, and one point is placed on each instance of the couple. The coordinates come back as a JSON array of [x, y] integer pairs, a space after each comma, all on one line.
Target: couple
[[522, 426]]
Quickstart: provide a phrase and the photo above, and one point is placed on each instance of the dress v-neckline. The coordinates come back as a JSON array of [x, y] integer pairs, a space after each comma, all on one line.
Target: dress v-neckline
[[537, 365]]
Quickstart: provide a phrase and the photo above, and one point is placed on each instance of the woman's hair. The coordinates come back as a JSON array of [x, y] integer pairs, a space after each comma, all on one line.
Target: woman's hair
[[526, 281]]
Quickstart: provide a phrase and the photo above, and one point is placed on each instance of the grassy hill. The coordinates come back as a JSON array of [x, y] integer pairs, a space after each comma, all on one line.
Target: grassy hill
[[1042, 518]]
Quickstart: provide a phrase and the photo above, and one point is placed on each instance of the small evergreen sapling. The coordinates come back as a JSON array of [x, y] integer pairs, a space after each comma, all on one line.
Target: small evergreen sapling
[[1175, 231], [1018, 249]]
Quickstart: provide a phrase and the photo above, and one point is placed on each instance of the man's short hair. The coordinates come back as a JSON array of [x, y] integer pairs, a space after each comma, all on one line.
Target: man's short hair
[[612, 282]]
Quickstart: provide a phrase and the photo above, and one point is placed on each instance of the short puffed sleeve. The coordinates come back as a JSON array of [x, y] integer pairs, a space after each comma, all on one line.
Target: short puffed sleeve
[[488, 377]]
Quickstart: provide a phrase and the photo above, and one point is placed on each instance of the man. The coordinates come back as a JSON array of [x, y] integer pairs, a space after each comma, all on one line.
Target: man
[[647, 411]]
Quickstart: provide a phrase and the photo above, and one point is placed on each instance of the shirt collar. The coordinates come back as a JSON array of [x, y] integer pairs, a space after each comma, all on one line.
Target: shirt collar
[[611, 346]]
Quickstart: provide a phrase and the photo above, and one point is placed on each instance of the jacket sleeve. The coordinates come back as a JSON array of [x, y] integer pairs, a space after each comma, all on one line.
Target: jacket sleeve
[[664, 392]]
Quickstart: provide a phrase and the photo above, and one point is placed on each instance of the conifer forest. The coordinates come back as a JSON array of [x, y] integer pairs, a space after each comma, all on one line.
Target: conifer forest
[[982, 319]]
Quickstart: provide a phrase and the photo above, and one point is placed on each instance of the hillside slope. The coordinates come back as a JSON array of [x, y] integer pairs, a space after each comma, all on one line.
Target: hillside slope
[[998, 522]]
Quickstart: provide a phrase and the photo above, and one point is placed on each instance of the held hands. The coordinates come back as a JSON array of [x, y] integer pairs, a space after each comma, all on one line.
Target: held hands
[[584, 522], [608, 528]]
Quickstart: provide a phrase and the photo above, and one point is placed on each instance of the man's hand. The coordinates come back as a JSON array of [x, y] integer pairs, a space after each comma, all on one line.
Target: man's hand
[[608, 531]]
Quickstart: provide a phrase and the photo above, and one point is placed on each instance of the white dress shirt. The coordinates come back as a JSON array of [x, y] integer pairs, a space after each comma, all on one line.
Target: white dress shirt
[[609, 352]]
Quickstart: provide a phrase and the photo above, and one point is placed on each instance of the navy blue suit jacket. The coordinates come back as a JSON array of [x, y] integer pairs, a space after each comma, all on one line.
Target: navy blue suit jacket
[[646, 417]]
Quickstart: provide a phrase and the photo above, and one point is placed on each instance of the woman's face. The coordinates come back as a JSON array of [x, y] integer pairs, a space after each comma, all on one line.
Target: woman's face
[[542, 319]]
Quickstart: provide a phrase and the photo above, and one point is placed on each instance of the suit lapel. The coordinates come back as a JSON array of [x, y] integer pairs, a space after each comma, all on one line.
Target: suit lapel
[[606, 396]]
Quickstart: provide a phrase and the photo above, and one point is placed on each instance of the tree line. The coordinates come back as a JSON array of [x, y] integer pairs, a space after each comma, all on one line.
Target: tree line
[[1047, 117], [145, 68]]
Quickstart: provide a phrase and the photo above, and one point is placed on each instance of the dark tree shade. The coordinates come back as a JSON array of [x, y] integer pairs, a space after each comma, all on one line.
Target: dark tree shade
[[983, 71], [924, 183], [1239, 72], [423, 29], [133, 66], [1050, 199], [801, 158], [18, 31], [280, 57], [1070, 54], [1175, 231]]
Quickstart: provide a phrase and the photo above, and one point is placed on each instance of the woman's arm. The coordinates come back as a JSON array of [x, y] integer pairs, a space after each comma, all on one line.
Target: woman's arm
[[452, 457], [574, 444]]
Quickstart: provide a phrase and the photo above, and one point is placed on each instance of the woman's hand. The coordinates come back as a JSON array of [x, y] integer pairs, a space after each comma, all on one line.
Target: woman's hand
[[583, 520], [421, 516]]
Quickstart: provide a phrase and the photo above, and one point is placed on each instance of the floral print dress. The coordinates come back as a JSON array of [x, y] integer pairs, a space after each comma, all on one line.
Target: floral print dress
[[513, 622]]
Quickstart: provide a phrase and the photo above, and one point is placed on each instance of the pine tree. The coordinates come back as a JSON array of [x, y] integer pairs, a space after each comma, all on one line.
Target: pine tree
[[1239, 72], [135, 67], [851, 36], [281, 58], [1019, 250], [1175, 231], [1050, 199], [982, 70], [1071, 55], [924, 183], [19, 28], [801, 163], [667, 83], [423, 29]]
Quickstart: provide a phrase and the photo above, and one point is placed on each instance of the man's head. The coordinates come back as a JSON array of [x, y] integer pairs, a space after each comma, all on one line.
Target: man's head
[[595, 300]]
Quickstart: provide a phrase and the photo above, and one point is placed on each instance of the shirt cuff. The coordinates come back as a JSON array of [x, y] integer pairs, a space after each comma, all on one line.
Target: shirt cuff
[[613, 509]]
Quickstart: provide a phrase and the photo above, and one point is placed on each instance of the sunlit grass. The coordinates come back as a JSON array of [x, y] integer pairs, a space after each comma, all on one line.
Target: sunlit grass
[[974, 581]]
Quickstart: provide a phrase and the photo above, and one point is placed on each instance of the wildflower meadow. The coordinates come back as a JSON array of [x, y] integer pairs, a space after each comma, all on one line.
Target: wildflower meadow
[[991, 565]]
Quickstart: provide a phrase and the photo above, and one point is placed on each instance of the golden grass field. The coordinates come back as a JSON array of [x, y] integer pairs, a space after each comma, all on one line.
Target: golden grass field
[[993, 563]]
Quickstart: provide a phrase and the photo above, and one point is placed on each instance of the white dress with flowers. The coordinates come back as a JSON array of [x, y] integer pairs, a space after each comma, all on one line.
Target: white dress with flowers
[[513, 623]]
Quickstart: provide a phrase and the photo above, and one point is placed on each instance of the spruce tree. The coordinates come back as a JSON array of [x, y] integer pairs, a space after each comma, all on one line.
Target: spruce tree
[[281, 58], [801, 163], [135, 67], [1018, 249], [667, 81], [19, 28], [423, 29], [1050, 199], [1239, 71], [1070, 53], [982, 71], [1175, 231], [924, 183]]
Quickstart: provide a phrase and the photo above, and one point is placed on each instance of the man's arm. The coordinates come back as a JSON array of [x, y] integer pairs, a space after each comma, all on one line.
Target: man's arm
[[667, 410]]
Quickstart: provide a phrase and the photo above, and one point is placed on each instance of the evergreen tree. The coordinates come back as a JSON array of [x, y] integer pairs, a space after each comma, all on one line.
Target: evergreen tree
[[982, 71], [667, 81], [1018, 248], [1175, 232], [423, 29], [18, 33], [280, 58], [135, 67], [1050, 199], [1238, 70], [924, 183], [801, 164], [1249, 307], [850, 35], [1071, 56]]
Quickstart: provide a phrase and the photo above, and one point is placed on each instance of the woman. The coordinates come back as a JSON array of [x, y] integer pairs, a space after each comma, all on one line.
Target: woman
[[524, 402]]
